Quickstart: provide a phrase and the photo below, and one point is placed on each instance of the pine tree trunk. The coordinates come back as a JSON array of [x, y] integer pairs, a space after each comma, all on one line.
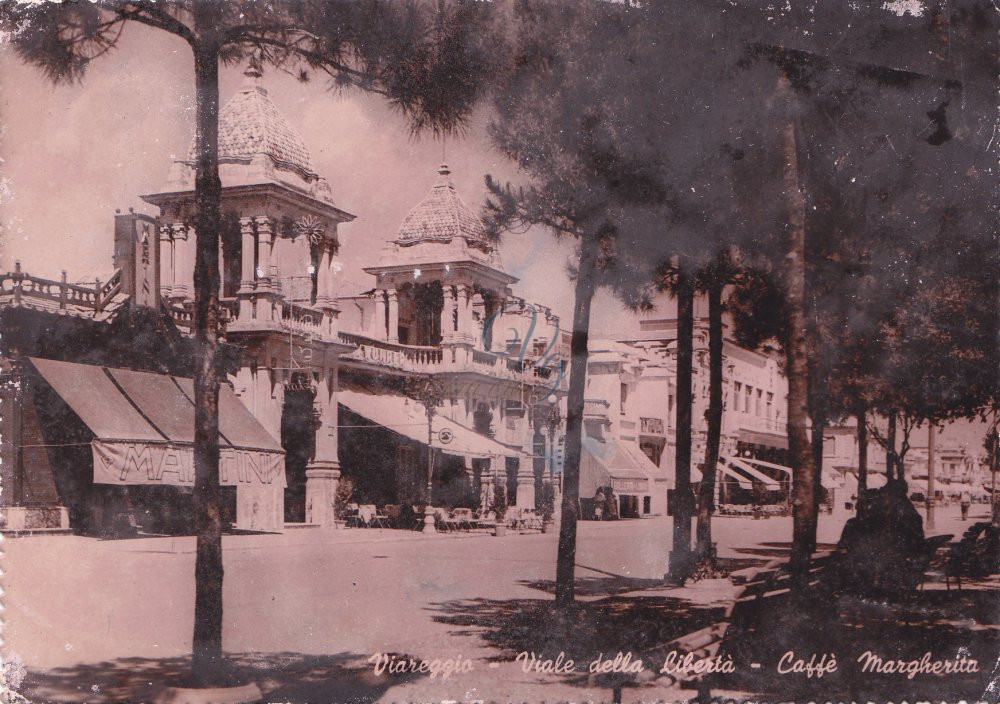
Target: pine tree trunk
[[207, 650], [566, 556], [890, 449], [818, 428], [706, 490], [862, 462], [929, 499], [680, 554], [994, 466], [803, 476]]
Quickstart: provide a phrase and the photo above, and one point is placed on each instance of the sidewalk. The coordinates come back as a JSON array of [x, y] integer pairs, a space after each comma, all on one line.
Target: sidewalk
[[306, 609]]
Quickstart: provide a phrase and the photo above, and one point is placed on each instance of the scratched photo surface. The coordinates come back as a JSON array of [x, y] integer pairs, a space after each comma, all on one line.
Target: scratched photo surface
[[499, 351]]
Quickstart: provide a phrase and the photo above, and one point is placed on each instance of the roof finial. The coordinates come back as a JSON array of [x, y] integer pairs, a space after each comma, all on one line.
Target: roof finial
[[253, 71], [443, 179]]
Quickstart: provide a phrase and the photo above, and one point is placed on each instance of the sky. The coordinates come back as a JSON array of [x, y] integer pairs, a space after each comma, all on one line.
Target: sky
[[72, 154]]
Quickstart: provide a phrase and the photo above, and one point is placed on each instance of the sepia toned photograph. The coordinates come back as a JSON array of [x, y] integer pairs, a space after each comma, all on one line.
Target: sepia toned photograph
[[499, 351]]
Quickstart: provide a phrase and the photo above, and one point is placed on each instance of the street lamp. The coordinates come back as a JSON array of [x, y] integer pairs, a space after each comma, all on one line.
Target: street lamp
[[554, 420], [430, 394]]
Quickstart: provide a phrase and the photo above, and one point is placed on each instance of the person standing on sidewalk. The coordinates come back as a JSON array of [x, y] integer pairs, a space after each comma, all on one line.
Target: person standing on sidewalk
[[966, 501], [599, 500]]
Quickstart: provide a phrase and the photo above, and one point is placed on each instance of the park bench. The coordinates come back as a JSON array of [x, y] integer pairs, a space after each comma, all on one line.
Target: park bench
[[976, 555], [771, 581]]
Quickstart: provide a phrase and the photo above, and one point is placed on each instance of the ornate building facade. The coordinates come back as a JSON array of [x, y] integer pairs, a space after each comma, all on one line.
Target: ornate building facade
[[304, 362]]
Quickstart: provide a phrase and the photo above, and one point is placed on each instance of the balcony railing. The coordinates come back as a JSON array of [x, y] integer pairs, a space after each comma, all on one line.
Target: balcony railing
[[749, 421], [24, 290], [651, 426], [406, 357], [431, 360], [301, 318], [596, 407], [183, 317]]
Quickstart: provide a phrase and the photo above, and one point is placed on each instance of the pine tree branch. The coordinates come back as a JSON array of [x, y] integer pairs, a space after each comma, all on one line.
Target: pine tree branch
[[148, 13]]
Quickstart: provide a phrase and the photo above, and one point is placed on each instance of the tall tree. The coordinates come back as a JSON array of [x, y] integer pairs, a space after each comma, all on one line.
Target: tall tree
[[876, 182], [683, 504], [426, 62], [714, 279], [562, 119]]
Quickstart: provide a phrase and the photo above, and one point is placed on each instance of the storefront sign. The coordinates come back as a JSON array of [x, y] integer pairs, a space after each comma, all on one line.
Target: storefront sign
[[146, 463], [630, 486], [379, 355]]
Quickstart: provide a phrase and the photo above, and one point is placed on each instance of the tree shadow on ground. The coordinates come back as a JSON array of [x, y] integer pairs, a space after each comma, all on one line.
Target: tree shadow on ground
[[733, 564], [604, 626], [613, 584], [345, 678], [597, 586]]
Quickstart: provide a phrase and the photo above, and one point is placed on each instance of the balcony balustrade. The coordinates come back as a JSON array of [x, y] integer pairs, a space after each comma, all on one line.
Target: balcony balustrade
[[596, 407], [433, 360], [18, 288], [651, 426]]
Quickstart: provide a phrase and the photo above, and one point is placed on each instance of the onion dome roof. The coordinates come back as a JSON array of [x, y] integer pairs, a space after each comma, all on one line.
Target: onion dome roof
[[250, 124], [442, 215]]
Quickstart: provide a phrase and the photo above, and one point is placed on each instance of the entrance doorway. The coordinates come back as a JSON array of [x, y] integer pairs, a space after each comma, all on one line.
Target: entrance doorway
[[298, 438]]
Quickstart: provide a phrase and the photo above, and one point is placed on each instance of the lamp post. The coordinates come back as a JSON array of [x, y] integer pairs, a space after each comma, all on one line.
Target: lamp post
[[430, 394], [554, 420]]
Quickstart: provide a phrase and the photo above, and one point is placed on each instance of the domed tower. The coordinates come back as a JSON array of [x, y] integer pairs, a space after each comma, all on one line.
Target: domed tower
[[439, 274], [279, 230], [277, 242]]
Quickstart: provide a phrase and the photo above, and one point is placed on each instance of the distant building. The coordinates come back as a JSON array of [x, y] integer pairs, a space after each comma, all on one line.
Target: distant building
[[631, 381]]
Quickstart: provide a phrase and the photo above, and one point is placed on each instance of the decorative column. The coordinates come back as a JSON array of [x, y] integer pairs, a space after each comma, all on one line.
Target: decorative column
[[525, 484], [487, 490], [393, 315], [377, 326], [447, 314], [269, 294], [262, 391], [323, 284], [184, 241], [465, 321], [248, 277], [323, 471], [325, 298], [166, 260], [265, 243]]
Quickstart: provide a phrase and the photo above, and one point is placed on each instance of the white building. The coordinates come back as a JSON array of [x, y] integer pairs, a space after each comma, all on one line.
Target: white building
[[635, 377]]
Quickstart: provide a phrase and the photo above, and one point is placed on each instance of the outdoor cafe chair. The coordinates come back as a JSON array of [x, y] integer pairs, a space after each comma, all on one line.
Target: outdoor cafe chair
[[513, 517], [379, 519], [444, 521], [530, 519], [487, 520], [463, 517], [372, 518], [352, 517], [392, 512]]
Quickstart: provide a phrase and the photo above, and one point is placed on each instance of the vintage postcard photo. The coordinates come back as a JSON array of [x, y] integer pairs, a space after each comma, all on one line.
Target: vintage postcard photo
[[502, 351]]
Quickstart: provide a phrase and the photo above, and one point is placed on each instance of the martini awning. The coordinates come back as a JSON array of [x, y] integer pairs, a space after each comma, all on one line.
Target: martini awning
[[407, 418], [143, 427]]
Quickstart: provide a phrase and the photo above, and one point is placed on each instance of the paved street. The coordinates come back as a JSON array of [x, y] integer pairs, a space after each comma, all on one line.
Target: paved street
[[346, 593]]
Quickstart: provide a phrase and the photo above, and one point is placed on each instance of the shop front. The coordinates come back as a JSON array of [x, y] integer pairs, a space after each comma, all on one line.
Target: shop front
[[630, 485], [114, 449], [384, 454]]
